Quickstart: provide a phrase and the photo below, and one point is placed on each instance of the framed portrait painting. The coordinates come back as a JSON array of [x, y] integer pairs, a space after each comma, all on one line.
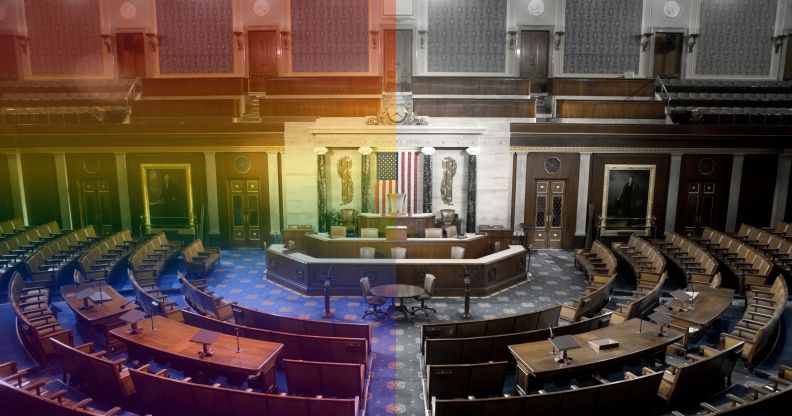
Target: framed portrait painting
[[167, 195], [628, 194]]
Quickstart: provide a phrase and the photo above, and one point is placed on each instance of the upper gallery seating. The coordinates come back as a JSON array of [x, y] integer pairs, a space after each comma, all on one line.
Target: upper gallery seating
[[641, 255], [700, 376], [597, 261], [606, 398], [262, 320], [162, 395], [693, 260], [771, 398], [49, 259], [65, 101], [104, 257], [747, 264], [36, 323], [149, 259], [756, 329], [199, 261], [101, 376], [773, 246], [204, 301]]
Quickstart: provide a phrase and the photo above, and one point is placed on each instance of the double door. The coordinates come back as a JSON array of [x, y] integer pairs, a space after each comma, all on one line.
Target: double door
[[549, 217], [96, 205], [700, 207], [245, 212]]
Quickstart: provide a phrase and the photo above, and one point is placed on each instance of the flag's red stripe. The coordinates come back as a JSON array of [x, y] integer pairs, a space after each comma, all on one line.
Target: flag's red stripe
[[415, 180]]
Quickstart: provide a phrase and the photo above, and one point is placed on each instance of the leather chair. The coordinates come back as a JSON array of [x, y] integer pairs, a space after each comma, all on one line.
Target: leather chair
[[348, 218], [373, 302], [451, 232], [433, 233], [367, 252], [338, 231], [447, 217], [369, 233], [398, 253], [398, 202], [457, 252], [429, 283]]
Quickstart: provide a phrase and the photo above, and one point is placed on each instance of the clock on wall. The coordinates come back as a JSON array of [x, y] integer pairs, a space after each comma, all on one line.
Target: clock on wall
[[552, 165], [536, 7], [242, 164], [128, 10], [262, 8], [671, 9], [706, 166]]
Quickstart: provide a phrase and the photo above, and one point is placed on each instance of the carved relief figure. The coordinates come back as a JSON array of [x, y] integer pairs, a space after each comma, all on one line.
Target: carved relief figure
[[345, 173], [447, 184]]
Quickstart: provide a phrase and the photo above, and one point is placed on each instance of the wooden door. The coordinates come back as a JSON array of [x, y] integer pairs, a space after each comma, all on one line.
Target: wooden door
[[397, 60], [262, 57], [96, 205], [131, 51], [549, 221], [534, 49], [788, 63], [245, 212], [668, 52], [700, 207], [8, 58]]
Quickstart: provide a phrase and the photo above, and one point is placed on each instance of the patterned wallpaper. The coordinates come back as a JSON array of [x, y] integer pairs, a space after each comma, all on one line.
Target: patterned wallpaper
[[64, 37], [467, 36], [195, 36], [602, 36], [330, 35], [735, 37]]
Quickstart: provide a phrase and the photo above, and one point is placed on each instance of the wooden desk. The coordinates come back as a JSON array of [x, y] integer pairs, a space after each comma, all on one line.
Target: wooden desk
[[171, 341], [708, 306], [102, 316], [535, 364], [322, 246], [416, 223]]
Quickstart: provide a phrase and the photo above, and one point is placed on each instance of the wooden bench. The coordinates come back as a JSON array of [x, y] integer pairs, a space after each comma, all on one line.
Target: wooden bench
[[36, 400], [337, 380], [641, 304], [151, 299], [50, 259], [591, 303], [748, 265], [774, 245], [702, 375], [453, 381], [104, 257], [597, 261], [84, 366], [199, 261], [640, 255], [698, 266], [151, 257], [203, 301], [162, 395]]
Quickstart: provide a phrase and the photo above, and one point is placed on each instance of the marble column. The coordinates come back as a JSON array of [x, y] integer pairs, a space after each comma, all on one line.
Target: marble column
[[582, 194], [427, 178], [734, 192], [123, 190], [212, 206], [520, 177], [472, 172], [62, 181], [673, 191], [17, 186], [274, 193], [365, 178], [781, 197], [321, 188]]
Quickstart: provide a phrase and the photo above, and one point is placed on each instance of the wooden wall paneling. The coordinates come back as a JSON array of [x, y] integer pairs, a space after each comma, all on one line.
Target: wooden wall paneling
[[721, 176], [471, 86], [203, 86], [41, 188], [197, 171], [389, 60], [212, 107], [225, 171], [92, 168], [661, 162], [131, 55], [757, 190], [569, 171], [336, 107], [6, 203], [440, 107], [9, 65], [639, 87], [610, 109], [262, 57], [324, 85]]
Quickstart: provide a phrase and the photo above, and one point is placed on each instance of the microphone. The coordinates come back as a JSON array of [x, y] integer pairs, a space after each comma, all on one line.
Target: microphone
[[126, 304], [550, 327]]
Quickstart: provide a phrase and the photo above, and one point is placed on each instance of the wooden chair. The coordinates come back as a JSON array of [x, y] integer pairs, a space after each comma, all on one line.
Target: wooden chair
[[701, 376], [348, 218], [199, 260], [450, 232], [338, 380]]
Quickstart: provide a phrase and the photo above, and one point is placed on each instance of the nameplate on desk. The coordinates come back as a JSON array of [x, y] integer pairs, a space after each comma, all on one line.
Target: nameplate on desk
[[603, 344]]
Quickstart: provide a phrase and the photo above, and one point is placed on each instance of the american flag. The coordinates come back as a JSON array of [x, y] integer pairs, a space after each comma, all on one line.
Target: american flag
[[397, 172]]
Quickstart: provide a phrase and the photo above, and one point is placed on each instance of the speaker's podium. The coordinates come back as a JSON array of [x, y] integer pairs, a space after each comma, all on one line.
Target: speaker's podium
[[396, 232]]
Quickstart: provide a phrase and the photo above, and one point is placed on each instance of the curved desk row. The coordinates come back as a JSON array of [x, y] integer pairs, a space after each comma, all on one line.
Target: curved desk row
[[322, 246], [306, 274]]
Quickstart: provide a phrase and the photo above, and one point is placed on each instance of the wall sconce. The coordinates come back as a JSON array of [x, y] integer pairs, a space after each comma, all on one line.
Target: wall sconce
[[646, 38], [240, 40], [23, 43], [778, 42], [108, 43], [692, 41], [374, 36], [153, 41], [285, 38], [558, 37], [512, 42], [422, 38]]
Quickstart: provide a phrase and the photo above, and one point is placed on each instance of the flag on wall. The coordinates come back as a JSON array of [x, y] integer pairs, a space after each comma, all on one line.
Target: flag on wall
[[397, 172]]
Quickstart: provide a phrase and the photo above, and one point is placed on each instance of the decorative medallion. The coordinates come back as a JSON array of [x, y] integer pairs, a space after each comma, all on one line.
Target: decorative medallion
[[262, 8], [3, 12], [91, 166], [536, 7], [447, 183], [396, 115], [242, 164], [552, 165], [128, 10], [706, 166], [672, 9], [344, 167]]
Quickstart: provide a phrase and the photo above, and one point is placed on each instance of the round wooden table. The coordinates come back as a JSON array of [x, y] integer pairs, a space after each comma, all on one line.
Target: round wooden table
[[397, 291]]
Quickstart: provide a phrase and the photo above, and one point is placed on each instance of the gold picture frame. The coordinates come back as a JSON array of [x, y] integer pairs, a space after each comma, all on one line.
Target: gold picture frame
[[628, 192], [167, 196]]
